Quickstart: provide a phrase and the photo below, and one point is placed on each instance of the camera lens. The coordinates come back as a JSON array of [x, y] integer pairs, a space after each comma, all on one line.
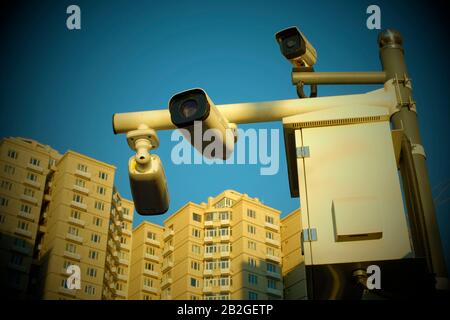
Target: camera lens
[[189, 108]]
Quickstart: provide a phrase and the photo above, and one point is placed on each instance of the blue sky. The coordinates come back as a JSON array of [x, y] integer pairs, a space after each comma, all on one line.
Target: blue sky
[[61, 87]]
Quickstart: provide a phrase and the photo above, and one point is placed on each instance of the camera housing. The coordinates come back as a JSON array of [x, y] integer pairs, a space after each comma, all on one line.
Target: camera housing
[[190, 107], [148, 185], [296, 48]]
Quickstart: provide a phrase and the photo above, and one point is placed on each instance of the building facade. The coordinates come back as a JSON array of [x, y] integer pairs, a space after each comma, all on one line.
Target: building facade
[[61, 210]]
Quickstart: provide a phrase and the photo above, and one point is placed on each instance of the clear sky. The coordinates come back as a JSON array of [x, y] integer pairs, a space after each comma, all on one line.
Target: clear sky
[[61, 87]]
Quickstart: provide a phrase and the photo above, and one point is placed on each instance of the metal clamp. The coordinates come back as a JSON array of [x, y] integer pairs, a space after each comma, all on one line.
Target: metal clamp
[[405, 82], [418, 149], [300, 92]]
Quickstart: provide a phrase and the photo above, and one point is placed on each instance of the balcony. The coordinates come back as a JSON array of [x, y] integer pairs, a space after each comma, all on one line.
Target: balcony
[[225, 237], [121, 293], [151, 273], [26, 216], [273, 257], [83, 174], [167, 250], [124, 246], [208, 239], [32, 183], [67, 292], [72, 255], [225, 254], [152, 241], [17, 267], [78, 205], [127, 217], [225, 287], [275, 292], [29, 199], [273, 242], [271, 226], [76, 221], [24, 233], [122, 277], [207, 272], [24, 250], [207, 289], [149, 289], [168, 234], [167, 265], [166, 282], [275, 275], [209, 223], [225, 270], [208, 255], [74, 238], [35, 168], [151, 257], [126, 231], [42, 229], [225, 222], [80, 189], [47, 198], [124, 261]]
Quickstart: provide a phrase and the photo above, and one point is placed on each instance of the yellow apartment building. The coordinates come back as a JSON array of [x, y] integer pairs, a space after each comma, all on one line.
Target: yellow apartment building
[[60, 210], [146, 257], [293, 266], [24, 167], [227, 248]]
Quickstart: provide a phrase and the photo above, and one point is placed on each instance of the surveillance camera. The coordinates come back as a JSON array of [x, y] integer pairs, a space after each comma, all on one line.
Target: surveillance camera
[[296, 48], [190, 107], [148, 184]]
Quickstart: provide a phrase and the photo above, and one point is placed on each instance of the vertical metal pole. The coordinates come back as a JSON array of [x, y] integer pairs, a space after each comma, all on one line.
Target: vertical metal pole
[[392, 59]]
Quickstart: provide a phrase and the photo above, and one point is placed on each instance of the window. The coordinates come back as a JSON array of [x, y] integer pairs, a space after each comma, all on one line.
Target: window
[[70, 247], [97, 221], [224, 264], [224, 281], [252, 295], [6, 185], [88, 289], [269, 219], [195, 283], [151, 235], [251, 213], [148, 282], [52, 162], [32, 177], [25, 208], [3, 202], [251, 245], [95, 238], [93, 255], [224, 203], [252, 279], [196, 217], [225, 231], [28, 192], [149, 266], [101, 190], [22, 225], [91, 272], [210, 232], [269, 235], [271, 267], [2, 219], [12, 154], [77, 198], [9, 169], [99, 205], [211, 249], [80, 183], [16, 259], [73, 231], [251, 229], [272, 284], [126, 211], [35, 162], [225, 215], [150, 250], [21, 243], [75, 214], [103, 175], [251, 262], [195, 265], [271, 251], [225, 247], [196, 249], [82, 167], [196, 233]]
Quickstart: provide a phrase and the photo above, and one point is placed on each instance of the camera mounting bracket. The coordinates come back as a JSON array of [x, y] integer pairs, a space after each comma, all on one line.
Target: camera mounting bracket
[[142, 141]]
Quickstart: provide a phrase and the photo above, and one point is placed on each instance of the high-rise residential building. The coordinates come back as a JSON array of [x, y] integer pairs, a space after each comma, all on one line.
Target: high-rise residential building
[[24, 167], [146, 256], [61, 210], [228, 248], [293, 264]]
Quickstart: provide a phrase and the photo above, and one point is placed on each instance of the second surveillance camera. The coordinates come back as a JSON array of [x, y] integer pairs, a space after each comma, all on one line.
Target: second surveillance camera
[[296, 48], [194, 107]]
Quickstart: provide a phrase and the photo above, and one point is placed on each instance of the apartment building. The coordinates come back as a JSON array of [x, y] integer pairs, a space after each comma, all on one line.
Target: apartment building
[[56, 211], [227, 248], [293, 266], [24, 167], [145, 280]]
